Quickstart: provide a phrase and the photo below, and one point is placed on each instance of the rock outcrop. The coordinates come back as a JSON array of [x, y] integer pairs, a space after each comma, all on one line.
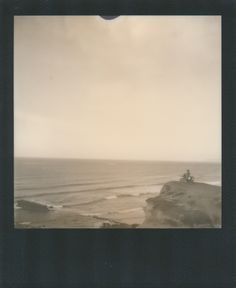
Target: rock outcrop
[[32, 206], [184, 205]]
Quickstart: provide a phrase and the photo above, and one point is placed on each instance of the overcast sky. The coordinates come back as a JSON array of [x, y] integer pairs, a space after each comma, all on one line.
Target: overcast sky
[[137, 87]]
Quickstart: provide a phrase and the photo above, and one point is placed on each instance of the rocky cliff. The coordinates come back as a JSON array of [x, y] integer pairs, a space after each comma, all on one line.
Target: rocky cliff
[[184, 205]]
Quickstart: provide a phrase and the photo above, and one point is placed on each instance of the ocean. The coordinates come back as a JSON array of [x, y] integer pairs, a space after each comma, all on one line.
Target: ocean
[[109, 189]]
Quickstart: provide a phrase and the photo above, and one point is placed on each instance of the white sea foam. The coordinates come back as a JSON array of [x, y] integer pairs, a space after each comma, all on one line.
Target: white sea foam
[[111, 197], [217, 183], [131, 210]]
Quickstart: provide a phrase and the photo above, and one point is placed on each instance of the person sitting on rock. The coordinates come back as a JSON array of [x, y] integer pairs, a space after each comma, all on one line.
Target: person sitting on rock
[[187, 176]]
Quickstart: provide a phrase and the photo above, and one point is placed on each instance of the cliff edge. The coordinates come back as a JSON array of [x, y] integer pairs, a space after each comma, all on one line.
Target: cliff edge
[[184, 205]]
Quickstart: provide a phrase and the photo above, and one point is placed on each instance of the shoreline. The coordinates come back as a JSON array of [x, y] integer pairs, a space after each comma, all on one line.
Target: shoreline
[[33, 215], [63, 218]]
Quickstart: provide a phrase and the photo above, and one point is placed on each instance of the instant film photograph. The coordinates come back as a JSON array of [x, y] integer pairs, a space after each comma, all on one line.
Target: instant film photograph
[[117, 122]]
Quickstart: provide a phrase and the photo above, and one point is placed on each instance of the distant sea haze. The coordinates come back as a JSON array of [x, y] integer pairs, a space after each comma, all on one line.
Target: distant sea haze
[[112, 189]]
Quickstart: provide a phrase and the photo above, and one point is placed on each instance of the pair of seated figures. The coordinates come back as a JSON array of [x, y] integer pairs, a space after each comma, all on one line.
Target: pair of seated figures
[[187, 177]]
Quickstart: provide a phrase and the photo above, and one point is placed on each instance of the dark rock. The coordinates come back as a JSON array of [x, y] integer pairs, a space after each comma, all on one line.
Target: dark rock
[[32, 206], [184, 205]]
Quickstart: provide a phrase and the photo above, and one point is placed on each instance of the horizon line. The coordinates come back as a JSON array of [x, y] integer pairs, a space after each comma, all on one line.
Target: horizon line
[[113, 159]]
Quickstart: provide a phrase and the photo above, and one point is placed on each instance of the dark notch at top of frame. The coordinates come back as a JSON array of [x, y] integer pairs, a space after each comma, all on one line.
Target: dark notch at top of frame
[[109, 17]]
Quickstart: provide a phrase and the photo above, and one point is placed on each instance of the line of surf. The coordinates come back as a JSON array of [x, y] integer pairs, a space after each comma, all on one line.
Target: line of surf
[[86, 190], [62, 185]]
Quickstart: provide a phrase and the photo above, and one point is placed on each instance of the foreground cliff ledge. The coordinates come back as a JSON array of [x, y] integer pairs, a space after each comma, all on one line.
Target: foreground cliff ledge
[[184, 205]]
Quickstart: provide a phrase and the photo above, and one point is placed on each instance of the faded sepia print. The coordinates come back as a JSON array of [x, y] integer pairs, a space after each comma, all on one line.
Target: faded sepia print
[[117, 122]]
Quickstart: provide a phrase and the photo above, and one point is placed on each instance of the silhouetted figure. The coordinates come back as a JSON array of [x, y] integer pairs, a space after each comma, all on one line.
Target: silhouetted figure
[[187, 177]]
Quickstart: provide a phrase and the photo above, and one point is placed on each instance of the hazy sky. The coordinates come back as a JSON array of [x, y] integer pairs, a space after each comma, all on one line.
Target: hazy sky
[[137, 87]]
